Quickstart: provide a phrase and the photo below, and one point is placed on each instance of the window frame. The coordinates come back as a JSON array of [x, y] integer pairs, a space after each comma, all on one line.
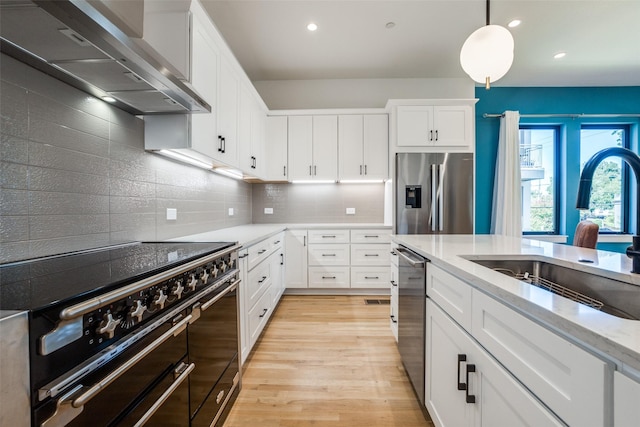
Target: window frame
[[625, 209], [557, 187]]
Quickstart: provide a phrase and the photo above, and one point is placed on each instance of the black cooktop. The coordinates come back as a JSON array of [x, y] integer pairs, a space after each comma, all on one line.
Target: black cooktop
[[42, 282]]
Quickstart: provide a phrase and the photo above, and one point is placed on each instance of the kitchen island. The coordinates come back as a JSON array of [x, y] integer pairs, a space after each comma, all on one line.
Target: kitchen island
[[580, 363]]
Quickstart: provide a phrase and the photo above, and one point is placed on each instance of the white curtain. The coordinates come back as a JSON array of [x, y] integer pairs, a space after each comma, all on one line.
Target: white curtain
[[506, 218]]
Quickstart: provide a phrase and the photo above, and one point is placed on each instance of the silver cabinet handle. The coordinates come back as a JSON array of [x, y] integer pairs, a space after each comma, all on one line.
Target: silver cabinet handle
[[310, 170], [411, 258], [284, 171], [371, 277], [360, 169], [329, 236], [371, 236], [95, 389], [304, 240], [371, 254], [315, 170], [328, 254], [183, 372], [365, 169], [440, 195], [434, 198]]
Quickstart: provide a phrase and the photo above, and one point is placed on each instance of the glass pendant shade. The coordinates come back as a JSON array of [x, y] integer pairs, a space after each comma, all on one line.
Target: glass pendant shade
[[487, 54]]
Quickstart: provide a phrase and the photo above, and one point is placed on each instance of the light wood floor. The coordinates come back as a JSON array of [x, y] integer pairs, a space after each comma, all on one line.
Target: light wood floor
[[326, 361]]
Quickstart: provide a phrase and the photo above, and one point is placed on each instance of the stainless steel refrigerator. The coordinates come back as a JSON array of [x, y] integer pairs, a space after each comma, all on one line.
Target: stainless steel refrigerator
[[434, 193]]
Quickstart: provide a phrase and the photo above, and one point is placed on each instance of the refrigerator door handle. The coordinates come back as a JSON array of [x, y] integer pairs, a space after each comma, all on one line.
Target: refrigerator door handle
[[440, 197], [434, 196]]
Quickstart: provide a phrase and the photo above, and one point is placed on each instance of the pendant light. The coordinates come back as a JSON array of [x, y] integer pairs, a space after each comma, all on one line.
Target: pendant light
[[487, 54]]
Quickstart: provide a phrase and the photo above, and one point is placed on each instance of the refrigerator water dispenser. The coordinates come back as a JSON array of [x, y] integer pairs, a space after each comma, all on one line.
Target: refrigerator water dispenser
[[413, 196]]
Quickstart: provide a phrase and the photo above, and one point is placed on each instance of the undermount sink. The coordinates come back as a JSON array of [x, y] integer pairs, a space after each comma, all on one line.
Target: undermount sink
[[611, 296]]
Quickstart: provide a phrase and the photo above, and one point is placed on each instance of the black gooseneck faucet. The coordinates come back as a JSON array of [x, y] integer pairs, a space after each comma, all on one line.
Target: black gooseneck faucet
[[584, 191]]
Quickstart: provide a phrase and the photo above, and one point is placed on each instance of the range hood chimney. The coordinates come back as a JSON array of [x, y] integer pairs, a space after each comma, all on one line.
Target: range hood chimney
[[73, 41]]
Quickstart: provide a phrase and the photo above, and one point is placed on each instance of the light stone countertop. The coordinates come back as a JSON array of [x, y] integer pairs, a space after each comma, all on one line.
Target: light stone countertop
[[618, 338], [250, 234]]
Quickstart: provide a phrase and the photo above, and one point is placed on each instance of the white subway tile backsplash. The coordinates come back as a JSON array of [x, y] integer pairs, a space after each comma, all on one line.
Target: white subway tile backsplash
[[75, 174]]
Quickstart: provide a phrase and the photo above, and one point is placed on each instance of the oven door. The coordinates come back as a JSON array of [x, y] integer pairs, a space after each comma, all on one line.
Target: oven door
[[147, 381], [213, 348]]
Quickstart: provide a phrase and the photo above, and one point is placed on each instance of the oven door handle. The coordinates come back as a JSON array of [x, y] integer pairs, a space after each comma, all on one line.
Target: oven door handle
[[182, 372], [218, 297], [93, 391]]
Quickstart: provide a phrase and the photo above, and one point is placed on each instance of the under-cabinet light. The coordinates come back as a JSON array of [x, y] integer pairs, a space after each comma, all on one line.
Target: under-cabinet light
[[231, 173], [314, 181], [361, 181], [184, 158]]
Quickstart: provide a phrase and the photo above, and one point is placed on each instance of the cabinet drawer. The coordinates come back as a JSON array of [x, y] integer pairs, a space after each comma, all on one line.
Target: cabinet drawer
[[328, 254], [328, 236], [370, 255], [370, 236], [563, 376], [259, 315], [276, 241], [258, 253], [328, 277], [451, 293], [258, 280], [370, 277]]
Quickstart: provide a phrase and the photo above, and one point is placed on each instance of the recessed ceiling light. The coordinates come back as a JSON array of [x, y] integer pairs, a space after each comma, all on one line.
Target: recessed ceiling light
[[514, 23], [312, 26], [559, 55], [390, 25], [109, 99]]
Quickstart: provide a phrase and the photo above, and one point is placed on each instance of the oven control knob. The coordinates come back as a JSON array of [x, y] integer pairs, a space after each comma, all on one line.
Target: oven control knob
[[108, 326], [137, 311], [160, 299], [223, 266], [178, 289], [214, 270], [193, 282], [204, 276]]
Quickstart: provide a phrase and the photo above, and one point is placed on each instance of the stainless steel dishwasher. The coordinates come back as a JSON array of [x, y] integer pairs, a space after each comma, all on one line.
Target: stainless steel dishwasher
[[411, 316]]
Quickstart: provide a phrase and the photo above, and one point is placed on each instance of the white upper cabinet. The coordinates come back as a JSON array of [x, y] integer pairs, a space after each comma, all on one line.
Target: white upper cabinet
[[363, 142], [276, 149], [227, 112], [313, 148], [251, 133], [432, 125]]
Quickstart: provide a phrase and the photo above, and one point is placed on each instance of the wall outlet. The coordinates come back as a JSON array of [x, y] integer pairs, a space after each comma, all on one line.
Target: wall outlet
[[172, 214], [230, 211], [351, 211], [268, 211]]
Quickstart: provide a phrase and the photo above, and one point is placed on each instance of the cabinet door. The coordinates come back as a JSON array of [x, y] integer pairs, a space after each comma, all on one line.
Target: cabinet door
[[445, 342], [325, 148], [296, 255], [258, 131], [228, 106], [350, 146], [204, 136], [626, 401], [453, 125], [414, 125], [276, 143], [244, 130], [376, 146], [300, 153]]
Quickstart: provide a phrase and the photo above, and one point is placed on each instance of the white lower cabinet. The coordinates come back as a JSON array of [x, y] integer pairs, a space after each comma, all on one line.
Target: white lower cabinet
[[393, 291], [466, 387], [626, 406], [296, 255], [261, 273]]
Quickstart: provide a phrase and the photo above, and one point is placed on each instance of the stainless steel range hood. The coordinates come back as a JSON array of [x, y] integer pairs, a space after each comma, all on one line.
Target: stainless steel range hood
[[74, 42]]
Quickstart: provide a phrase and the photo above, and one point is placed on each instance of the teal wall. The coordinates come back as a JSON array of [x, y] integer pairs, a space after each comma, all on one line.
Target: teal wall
[[548, 100]]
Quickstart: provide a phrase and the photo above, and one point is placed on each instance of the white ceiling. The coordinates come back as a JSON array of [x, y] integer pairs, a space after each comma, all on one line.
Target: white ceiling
[[271, 42]]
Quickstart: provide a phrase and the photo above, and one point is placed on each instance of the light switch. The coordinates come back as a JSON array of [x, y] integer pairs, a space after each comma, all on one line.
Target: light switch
[[268, 211], [351, 211], [172, 214], [230, 211]]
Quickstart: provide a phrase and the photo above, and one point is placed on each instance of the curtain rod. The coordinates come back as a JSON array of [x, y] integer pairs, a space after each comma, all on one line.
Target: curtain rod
[[570, 116]]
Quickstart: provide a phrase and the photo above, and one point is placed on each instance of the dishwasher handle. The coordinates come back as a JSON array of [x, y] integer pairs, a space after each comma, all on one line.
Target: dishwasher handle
[[411, 258]]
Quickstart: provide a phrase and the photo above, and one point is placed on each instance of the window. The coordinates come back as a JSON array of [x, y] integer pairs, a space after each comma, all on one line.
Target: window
[[538, 170], [609, 192]]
